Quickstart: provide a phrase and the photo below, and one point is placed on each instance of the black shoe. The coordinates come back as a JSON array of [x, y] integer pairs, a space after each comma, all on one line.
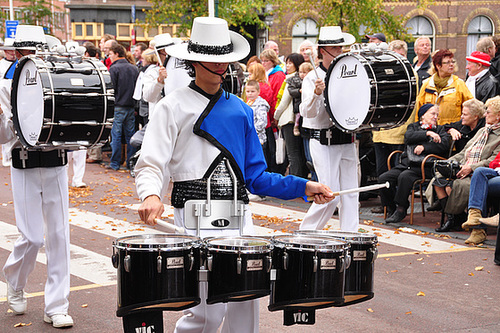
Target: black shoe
[[377, 210], [398, 216], [438, 205], [448, 225]]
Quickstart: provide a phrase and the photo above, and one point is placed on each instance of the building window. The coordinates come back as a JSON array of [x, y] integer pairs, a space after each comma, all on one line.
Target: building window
[[304, 29], [419, 26], [479, 27]]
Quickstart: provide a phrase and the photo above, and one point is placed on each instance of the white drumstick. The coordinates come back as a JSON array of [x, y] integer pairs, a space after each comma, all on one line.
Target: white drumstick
[[311, 59], [170, 227], [363, 189]]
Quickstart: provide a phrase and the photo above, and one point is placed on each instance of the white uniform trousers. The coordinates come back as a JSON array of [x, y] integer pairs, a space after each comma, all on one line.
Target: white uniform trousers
[[79, 159], [239, 317], [41, 209], [337, 167]]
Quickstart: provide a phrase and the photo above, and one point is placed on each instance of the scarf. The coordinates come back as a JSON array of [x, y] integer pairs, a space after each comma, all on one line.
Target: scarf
[[473, 153], [440, 82], [427, 126]]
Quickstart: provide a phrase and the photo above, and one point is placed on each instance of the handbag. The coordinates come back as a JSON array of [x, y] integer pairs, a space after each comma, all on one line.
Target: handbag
[[412, 157], [448, 169], [280, 148]]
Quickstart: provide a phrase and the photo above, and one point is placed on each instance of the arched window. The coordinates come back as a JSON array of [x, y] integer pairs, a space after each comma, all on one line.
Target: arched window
[[305, 28], [480, 26], [419, 26]]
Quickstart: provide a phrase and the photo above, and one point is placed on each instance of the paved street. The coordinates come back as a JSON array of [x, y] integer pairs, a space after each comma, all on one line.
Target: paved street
[[423, 282]]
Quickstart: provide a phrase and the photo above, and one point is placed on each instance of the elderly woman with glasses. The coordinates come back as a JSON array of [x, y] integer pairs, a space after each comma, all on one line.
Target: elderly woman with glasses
[[444, 89]]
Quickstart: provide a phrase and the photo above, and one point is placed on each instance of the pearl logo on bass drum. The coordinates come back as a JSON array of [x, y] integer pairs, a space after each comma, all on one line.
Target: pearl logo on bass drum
[[345, 72], [30, 80]]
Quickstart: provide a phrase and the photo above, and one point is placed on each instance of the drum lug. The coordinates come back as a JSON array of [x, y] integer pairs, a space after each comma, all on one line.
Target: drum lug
[[159, 261], [238, 266], [374, 253], [209, 262], [343, 262], [127, 263], [269, 263], [315, 263], [191, 261], [285, 261], [114, 257], [348, 260]]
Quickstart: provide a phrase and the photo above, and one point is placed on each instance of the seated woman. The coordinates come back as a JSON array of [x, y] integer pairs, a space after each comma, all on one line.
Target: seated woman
[[479, 152], [462, 131], [421, 139]]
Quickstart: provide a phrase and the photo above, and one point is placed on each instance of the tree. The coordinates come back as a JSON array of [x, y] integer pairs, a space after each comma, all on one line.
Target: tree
[[238, 13], [39, 12]]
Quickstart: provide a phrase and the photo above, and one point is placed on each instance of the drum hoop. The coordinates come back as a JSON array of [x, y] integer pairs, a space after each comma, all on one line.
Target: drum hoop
[[236, 248], [342, 244], [191, 241], [350, 236]]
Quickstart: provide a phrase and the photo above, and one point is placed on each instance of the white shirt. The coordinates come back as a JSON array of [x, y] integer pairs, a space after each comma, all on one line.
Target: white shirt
[[312, 108], [471, 81]]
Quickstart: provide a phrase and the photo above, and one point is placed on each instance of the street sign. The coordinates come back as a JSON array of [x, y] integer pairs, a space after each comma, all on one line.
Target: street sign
[[10, 28]]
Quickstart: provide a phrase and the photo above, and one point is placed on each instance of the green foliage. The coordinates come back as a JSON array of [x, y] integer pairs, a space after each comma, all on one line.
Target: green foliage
[[39, 12]]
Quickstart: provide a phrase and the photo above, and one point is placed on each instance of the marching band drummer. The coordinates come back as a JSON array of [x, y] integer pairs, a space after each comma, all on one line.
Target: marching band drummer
[[192, 130], [333, 152], [41, 206]]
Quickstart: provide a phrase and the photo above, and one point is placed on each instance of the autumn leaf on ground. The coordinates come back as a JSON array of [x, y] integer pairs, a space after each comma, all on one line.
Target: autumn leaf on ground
[[479, 268], [421, 293], [369, 310]]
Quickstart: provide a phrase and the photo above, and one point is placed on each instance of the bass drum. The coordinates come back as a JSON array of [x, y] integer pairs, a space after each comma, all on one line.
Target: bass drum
[[370, 90], [157, 272], [62, 104]]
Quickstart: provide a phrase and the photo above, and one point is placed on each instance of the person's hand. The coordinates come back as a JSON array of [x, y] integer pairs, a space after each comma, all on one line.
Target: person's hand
[[418, 149], [151, 209], [321, 193], [455, 135], [319, 86], [465, 170], [1, 111], [434, 136], [162, 75]]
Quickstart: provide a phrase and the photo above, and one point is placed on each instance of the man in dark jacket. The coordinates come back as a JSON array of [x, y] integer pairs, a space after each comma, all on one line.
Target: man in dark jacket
[[495, 62], [479, 80], [123, 75], [423, 62]]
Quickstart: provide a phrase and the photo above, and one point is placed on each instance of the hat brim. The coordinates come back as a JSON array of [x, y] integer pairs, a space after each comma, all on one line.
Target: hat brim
[[478, 61], [348, 40], [7, 47], [241, 49]]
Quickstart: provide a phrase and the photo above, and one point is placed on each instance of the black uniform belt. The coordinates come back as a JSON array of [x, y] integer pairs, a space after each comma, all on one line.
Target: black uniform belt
[[27, 159], [329, 136]]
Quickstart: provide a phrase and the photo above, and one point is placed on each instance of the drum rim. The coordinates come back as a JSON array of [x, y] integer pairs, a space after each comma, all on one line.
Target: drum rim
[[194, 241], [350, 236], [238, 249], [341, 245]]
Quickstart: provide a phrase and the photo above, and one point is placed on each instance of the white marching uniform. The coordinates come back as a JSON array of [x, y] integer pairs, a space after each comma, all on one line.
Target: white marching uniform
[[78, 159], [41, 209], [170, 148], [336, 165]]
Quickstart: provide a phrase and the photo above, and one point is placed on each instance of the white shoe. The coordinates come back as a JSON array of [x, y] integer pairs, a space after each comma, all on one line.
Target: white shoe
[[254, 197], [79, 185], [16, 300], [59, 320]]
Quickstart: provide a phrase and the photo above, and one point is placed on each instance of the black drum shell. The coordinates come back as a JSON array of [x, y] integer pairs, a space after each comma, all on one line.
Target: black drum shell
[[226, 285], [143, 288], [300, 287]]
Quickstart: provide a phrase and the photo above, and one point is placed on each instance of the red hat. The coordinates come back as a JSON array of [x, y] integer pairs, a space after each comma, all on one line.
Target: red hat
[[479, 58]]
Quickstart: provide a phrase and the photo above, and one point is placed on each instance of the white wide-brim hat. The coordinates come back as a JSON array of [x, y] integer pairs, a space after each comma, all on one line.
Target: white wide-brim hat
[[333, 36], [162, 41], [8, 44], [28, 37], [211, 41]]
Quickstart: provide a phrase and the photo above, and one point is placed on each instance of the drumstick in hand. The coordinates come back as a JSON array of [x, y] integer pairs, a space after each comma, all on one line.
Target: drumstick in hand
[[311, 59], [170, 227], [358, 189]]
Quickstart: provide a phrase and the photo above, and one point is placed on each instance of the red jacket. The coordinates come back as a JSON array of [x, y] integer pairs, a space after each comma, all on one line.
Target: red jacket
[[496, 162], [267, 93]]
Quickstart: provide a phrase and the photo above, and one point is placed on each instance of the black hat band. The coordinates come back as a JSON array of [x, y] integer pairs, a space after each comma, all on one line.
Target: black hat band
[[27, 44], [209, 49], [331, 41]]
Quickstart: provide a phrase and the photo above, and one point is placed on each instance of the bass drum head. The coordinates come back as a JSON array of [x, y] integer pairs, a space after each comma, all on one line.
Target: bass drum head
[[348, 93], [28, 105]]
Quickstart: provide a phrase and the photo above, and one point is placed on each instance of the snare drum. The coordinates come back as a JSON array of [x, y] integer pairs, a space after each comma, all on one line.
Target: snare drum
[[370, 90], [359, 274], [238, 268], [308, 272], [157, 272], [62, 104]]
